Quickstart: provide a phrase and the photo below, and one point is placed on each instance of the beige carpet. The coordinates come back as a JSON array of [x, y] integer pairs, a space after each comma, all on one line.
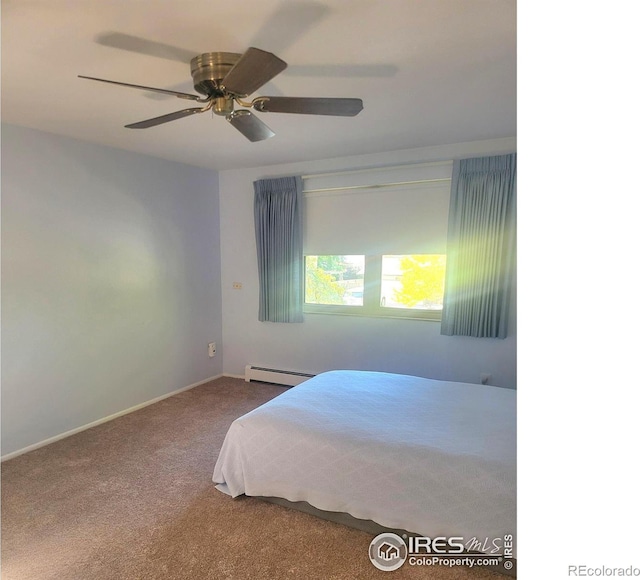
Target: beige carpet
[[133, 499]]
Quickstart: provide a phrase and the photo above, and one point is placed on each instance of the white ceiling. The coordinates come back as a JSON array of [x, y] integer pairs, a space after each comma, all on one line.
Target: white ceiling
[[430, 72]]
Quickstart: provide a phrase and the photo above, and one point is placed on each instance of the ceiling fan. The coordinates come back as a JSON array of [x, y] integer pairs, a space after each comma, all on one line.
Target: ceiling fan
[[226, 78]]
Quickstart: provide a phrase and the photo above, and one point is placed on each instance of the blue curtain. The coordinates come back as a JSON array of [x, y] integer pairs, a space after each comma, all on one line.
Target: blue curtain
[[480, 247], [278, 222]]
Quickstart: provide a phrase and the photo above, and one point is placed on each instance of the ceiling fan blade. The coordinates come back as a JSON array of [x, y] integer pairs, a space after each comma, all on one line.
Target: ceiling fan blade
[[165, 118], [249, 125], [291, 20], [343, 70], [309, 106], [152, 89], [255, 68], [144, 46]]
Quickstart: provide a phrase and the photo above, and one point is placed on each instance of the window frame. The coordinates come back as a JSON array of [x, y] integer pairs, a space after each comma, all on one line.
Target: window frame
[[371, 306]]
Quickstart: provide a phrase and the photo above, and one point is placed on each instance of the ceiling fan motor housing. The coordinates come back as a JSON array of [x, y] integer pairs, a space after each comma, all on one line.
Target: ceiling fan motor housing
[[209, 69]]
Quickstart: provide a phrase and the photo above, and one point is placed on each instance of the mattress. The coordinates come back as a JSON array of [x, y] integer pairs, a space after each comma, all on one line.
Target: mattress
[[427, 456]]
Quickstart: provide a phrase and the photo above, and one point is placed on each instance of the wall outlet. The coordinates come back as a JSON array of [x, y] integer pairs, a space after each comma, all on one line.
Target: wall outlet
[[212, 349], [485, 378]]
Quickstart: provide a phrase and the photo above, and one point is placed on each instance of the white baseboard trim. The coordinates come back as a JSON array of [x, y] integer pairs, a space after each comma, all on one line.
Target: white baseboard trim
[[103, 420], [234, 376]]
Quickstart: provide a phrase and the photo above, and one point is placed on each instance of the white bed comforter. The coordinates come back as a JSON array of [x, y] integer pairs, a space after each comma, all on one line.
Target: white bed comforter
[[431, 457]]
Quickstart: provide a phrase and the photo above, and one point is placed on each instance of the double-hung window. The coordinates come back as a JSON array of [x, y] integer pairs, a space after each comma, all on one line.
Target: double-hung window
[[375, 241]]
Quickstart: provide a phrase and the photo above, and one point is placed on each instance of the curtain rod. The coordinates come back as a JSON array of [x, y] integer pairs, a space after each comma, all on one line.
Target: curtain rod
[[374, 186], [383, 168]]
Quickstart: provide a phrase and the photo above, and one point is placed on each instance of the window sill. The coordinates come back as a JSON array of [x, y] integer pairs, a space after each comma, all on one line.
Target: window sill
[[362, 312]]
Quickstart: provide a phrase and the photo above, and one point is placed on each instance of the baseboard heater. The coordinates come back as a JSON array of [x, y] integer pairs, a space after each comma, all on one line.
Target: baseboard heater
[[277, 376]]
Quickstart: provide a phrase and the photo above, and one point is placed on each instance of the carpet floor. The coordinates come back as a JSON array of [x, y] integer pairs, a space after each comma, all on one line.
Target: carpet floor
[[133, 499]]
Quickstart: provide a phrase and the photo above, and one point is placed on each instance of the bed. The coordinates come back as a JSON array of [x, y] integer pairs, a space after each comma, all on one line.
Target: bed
[[426, 456]]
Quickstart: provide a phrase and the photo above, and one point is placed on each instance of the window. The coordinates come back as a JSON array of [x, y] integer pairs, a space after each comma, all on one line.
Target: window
[[336, 280], [375, 241], [407, 286], [414, 281]]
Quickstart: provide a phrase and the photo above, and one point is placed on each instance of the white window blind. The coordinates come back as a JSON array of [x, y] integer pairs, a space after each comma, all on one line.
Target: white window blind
[[394, 210]]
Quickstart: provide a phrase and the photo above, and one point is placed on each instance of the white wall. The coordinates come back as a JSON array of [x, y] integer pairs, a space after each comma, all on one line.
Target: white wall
[[110, 282], [325, 342]]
